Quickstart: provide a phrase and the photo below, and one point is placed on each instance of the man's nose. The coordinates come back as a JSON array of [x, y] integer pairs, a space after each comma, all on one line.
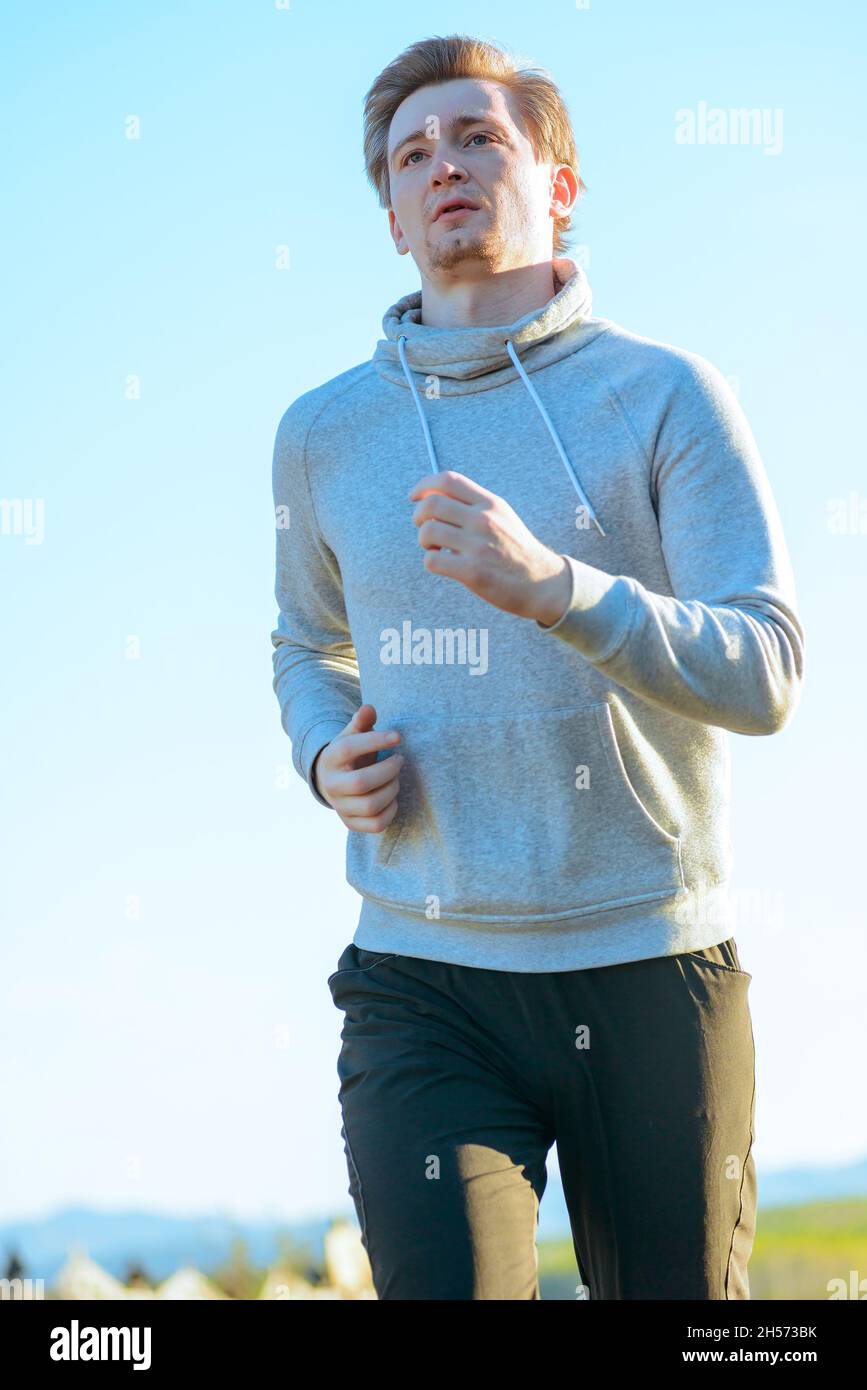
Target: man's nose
[[443, 171]]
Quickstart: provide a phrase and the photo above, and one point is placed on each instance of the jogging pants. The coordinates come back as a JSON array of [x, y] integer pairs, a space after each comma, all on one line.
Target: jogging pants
[[456, 1081]]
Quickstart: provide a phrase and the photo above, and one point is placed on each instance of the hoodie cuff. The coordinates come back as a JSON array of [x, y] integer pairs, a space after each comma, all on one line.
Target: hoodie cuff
[[312, 743], [599, 613]]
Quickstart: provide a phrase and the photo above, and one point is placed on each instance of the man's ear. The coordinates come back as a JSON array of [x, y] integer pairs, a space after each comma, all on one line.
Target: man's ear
[[565, 186], [397, 235]]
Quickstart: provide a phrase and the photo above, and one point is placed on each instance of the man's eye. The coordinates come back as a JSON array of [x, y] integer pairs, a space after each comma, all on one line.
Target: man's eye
[[477, 135]]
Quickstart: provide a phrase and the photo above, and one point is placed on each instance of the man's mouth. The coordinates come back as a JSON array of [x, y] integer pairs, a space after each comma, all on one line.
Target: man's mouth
[[454, 207]]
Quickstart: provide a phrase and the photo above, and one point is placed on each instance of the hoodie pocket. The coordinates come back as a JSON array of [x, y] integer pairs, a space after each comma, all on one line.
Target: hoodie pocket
[[511, 818]]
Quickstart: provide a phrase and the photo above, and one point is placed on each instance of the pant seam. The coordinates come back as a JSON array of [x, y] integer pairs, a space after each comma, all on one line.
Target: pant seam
[[743, 1174], [615, 1241], [361, 1203]]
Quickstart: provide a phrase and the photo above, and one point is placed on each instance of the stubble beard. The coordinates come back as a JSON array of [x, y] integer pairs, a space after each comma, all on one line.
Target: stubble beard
[[485, 246]]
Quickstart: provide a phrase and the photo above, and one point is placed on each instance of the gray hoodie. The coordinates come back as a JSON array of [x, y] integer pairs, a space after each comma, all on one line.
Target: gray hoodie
[[565, 797]]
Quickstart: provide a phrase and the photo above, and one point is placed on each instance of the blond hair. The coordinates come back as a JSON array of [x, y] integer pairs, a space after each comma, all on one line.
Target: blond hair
[[441, 60]]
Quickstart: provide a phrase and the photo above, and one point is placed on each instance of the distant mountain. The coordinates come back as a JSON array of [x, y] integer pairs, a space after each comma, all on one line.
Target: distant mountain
[[162, 1244], [159, 1244], [787, 1186]]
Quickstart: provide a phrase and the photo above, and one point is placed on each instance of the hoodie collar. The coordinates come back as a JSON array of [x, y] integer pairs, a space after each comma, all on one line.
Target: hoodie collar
[[474, 358]]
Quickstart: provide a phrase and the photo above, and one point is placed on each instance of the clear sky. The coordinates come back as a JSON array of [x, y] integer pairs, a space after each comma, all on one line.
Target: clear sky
[[171, 904]]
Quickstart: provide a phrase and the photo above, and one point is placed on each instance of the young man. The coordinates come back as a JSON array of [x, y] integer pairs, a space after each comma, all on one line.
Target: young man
[[542, 555]]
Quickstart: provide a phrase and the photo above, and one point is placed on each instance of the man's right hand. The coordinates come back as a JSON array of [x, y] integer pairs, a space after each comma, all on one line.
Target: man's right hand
[[362, 790]]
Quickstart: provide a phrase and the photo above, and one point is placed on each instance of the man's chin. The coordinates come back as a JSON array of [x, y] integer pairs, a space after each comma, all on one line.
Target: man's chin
[[453, 251]]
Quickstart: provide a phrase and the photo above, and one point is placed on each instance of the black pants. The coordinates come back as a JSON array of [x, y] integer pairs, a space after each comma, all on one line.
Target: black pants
[[455, 1082]]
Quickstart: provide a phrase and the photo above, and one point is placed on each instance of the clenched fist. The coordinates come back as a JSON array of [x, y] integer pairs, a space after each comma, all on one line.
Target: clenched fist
[[362, 790]]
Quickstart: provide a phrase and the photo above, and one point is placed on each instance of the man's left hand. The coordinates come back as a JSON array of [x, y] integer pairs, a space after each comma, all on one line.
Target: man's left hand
[[474, 536]]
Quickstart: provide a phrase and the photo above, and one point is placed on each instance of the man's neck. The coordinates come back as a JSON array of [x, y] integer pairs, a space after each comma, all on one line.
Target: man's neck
[[454, 300]]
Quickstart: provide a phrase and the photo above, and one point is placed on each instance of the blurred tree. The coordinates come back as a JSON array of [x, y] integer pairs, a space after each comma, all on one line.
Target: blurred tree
[[136, 1277]]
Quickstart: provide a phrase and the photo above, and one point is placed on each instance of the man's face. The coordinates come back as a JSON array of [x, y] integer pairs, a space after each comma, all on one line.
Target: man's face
[[468, 141]]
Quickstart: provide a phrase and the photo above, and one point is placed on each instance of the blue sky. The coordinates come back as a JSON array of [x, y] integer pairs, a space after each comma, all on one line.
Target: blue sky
[[171, 904]]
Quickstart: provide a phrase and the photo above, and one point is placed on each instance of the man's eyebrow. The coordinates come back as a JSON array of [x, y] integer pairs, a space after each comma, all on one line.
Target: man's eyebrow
[[453, 127]]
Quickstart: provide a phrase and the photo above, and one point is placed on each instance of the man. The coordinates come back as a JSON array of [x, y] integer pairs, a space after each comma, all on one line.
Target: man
[[556, 613]]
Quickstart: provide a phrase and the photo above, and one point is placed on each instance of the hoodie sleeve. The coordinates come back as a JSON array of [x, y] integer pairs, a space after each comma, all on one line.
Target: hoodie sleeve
[[728, 647], [316, 677]]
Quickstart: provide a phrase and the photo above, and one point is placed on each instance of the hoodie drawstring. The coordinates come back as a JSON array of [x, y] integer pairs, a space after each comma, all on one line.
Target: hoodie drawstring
[[418, 405], [537, 402]]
